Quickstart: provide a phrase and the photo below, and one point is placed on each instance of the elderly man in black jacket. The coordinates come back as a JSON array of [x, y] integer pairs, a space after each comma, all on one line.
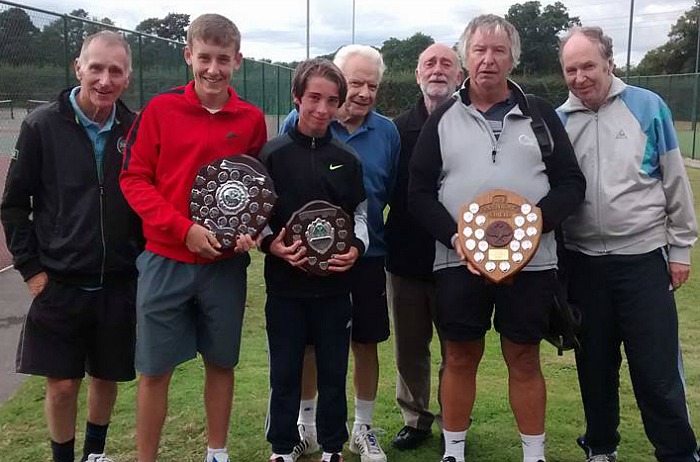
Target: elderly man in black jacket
[[75, 240], [411, 250]]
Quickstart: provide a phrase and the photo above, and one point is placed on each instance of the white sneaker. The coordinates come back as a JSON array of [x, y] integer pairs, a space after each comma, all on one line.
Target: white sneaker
[[364, 442], [308, 443], [98, 458], [218, 457], [282, 458]]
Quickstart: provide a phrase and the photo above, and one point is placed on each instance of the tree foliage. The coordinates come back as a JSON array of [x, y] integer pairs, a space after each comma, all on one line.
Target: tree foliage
[[538, 30], [677, 55], [173, 26], [158, 52], [402, 55], [18, 37]]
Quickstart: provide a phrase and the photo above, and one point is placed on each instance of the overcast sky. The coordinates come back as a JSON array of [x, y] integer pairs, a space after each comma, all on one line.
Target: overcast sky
[[276, 29]]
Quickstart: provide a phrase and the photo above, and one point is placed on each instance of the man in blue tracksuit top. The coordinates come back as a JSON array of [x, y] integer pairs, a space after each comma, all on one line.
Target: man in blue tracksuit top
[[376, 140], [628, 249]]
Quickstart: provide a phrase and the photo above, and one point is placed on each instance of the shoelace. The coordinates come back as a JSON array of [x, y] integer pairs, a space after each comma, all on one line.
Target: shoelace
[[368, 434]]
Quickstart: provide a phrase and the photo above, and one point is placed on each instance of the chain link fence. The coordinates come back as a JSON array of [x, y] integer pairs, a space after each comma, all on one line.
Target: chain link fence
[[680, 91], [38, 48], [37, 51]]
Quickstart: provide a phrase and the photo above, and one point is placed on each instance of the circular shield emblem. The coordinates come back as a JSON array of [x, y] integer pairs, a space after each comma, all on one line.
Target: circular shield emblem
[[230, 196], [499, 233], [324, 229]]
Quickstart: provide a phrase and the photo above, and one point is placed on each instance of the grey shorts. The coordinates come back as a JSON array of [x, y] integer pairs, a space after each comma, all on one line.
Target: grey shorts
[[183, 308]]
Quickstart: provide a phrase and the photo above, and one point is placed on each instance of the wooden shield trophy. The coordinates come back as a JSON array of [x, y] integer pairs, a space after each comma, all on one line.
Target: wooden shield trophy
[[499, 233], [324, 229], [230, 196]]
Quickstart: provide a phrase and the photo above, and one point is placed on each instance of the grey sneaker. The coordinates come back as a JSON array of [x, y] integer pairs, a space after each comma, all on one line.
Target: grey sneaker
[[610, 457], [220, 457], [308, 442], [364, 442], [98, 458], [603, 458]]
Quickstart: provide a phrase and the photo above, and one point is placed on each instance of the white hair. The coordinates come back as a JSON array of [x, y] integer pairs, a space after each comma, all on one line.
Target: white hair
[[348, 51]]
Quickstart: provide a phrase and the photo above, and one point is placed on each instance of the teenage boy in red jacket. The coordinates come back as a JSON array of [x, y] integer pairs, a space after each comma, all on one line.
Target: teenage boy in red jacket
[[191, 293]]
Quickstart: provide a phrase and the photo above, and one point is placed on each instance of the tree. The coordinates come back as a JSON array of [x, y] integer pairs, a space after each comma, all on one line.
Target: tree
[[18, 37], [74, 28], [159, 52], [677, 55], [402, 55], [538, 34], [173, 26]]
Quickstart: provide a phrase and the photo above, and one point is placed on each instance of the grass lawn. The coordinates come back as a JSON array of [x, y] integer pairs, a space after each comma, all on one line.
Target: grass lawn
[[494, 436]]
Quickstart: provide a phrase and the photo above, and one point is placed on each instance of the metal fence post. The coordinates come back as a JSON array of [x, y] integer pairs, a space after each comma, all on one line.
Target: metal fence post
[[278, 109], [141, 96], [66, 58], [262, 95]]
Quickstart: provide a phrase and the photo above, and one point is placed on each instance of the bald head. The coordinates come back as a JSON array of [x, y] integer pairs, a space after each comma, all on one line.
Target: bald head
[[438, 73]]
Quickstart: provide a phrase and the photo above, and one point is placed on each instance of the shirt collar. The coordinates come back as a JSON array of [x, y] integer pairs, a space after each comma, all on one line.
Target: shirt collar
[[370, 122], [84, 120]]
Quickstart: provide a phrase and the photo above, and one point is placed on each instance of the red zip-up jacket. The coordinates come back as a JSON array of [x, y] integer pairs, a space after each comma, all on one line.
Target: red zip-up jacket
[[172, 138]]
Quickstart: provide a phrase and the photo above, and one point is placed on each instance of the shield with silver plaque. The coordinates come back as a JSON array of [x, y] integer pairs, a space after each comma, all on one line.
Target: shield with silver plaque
[[499, 233], [230, 196], [324, 229]]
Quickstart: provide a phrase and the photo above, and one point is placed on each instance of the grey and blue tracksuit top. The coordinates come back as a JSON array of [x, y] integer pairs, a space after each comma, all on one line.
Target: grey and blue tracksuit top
[[457, 158], [638, 197]]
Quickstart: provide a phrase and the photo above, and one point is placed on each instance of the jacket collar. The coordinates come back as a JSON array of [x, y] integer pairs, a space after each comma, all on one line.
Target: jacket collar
[[231, 105], [573, 103], [516, 92], [65, 108], [310, 142], [417, 115]]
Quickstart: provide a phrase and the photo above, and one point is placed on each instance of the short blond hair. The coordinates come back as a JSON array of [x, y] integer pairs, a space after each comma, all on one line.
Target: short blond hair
[[216, 29]]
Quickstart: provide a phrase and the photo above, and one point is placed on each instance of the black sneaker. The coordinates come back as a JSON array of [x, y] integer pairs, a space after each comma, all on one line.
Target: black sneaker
[[448, 459], [410, 438]]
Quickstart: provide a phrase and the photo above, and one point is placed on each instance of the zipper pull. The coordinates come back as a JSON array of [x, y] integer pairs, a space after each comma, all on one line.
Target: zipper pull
[[313, 143], [493, 156], [102, 190]]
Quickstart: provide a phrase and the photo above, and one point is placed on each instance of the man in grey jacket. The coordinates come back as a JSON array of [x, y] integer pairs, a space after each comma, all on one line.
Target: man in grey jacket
[[628, 249], [476, 142]]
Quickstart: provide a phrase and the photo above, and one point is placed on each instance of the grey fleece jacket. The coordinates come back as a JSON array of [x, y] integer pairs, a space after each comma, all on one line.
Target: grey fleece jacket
[[457, 158], [638, 197]]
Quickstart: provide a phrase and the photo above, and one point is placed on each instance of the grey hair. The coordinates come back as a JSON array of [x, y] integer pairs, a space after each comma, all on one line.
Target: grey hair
[[489, 23], [348, 51], [110, 38], [596, 35]]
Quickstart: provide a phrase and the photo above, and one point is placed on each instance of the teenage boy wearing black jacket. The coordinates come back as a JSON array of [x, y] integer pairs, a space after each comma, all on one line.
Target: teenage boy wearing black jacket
[[308, 164]]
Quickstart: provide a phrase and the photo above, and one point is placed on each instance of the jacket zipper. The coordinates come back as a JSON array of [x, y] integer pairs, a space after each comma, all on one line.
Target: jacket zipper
[[100, 182], [599, 188], [102, 234]]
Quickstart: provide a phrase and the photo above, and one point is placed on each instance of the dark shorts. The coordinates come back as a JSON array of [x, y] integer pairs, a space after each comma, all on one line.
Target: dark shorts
[[370, 313], [465, 304], [187, 308], [70, 331]]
